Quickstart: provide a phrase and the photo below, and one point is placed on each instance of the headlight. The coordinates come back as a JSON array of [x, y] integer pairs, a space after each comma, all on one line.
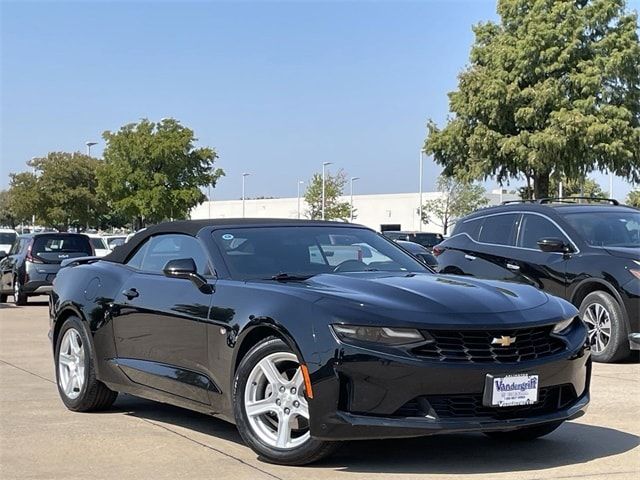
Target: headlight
[[563, 325], [381, 335]]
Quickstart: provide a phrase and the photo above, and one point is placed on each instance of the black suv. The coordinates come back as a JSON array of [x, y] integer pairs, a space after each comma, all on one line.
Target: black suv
[[587, 253]]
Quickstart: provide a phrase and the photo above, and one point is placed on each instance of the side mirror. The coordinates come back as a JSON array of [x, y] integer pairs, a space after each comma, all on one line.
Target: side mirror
[[186, 269], [551, 245], [2, 254]]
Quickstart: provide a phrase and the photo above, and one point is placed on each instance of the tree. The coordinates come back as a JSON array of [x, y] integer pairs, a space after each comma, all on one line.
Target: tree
[[7, 217], [65, 190], [576, 187], [334, 186], [633, 198], [551, 90], [153, 171], [24, 200], [457, 200]]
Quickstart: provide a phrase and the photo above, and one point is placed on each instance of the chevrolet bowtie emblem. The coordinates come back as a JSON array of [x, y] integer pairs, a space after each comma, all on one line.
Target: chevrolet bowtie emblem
[[503, 341]]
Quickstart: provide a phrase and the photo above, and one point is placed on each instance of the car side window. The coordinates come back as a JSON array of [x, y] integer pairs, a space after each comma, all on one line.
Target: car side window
[[499, 229], [470, 227], [534, 228], [163, 248], [136, 260]]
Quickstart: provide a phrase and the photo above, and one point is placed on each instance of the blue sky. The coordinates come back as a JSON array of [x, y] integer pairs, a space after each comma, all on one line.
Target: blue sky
[[276, 87]]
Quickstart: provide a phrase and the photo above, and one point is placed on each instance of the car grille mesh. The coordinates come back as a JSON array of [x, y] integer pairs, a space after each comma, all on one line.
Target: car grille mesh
[[476, 345], [550, 399]]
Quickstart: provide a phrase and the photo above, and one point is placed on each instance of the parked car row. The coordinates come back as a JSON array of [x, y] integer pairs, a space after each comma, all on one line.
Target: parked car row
[[30, 262], [587, 253]]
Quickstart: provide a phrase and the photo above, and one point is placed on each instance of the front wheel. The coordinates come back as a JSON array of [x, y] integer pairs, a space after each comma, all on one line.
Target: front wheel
[[607, 327], [526, 433], [270, 406]]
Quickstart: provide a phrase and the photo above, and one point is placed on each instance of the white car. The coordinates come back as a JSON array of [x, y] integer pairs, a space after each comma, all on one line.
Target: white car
[[7, 237], [99, 244], [114, 241]]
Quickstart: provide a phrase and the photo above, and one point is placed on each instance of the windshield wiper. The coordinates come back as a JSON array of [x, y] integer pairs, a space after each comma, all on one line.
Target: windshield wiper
[[283, 277]]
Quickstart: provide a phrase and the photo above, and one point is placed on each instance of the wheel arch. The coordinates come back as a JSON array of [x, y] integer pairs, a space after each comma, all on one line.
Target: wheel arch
[[64, 313], [260, 329]]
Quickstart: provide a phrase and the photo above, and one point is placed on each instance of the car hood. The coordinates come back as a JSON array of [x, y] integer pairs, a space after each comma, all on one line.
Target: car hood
[[624, 252], [428, 293]]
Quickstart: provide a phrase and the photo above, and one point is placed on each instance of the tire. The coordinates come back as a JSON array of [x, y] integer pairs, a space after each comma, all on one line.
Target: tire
[[526, 433], [602, 314], [19, 297], [260, 431], [90, 394]]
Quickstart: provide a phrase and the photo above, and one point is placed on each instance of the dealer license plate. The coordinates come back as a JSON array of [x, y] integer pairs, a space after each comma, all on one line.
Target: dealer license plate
[[513, 390]]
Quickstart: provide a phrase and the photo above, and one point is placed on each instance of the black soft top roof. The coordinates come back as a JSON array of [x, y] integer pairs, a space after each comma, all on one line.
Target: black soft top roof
[[193, 227]]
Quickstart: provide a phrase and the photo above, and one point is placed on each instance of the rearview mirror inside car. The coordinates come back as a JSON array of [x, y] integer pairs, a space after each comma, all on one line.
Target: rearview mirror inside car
[[551, 245], [186, 268]]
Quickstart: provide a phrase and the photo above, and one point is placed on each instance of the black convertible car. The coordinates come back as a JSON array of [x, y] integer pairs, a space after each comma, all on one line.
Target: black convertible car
[[307, 333]]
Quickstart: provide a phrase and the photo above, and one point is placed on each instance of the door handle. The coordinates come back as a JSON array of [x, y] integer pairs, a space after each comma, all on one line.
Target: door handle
[[131, 293], [469, 257], [513, 266]]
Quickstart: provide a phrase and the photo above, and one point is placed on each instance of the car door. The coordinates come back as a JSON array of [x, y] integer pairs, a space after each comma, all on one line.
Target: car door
[[8, 264], [160, 330], [487, 256], [544, 270]]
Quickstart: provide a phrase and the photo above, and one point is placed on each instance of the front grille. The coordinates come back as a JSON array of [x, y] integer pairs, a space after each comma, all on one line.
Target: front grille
[[476, 345], [550, 399]]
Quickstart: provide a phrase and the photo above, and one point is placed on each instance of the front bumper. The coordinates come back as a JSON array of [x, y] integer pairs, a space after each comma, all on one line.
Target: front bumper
[[368, 393]]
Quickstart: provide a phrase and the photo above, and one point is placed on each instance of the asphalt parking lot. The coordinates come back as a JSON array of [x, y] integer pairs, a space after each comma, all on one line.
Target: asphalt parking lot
[[39, 438]]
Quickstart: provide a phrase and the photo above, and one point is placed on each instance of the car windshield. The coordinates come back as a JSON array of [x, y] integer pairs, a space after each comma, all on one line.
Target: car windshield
[[97, 243], [268, 252], [607, 229]]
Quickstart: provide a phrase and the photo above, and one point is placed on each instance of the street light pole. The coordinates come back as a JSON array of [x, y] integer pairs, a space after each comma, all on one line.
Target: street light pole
[[420, 189], [89, 145], [244, 175], [324, 165], [300, 182], [610, 184], [353, 179]]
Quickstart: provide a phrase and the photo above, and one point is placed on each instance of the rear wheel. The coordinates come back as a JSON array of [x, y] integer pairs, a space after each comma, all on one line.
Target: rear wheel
[[19, 297], [607, 327], [270, 406], [526, 433], [79, 389]]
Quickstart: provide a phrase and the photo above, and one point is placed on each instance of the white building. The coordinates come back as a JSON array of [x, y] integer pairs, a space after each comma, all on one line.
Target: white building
[[394, 211]]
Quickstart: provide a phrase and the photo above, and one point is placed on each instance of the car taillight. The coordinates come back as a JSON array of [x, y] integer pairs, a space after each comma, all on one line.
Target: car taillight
[[31, 258], [437, 250]]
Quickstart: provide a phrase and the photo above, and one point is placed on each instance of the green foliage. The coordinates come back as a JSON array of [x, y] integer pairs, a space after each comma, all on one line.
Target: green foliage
[[553, 89], [571, 187], [458, 199], [66, 190], [633, 198], [23, 198], [153, 172], [334, 187], [7, 217]]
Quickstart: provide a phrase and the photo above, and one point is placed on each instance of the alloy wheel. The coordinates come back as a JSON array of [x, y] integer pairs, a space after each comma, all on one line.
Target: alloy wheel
[[71, 369], [598, 321], [275, 402]]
